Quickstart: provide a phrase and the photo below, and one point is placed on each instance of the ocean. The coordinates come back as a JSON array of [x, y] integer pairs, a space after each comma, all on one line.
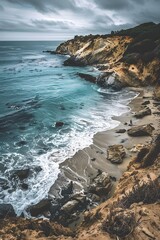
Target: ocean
[[36, 91]]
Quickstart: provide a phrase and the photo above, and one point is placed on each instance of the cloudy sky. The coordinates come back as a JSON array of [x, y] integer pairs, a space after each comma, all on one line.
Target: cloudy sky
[[62, 19]]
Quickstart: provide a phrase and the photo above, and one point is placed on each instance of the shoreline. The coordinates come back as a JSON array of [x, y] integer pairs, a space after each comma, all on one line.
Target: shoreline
[[96, 151], [85, 165]]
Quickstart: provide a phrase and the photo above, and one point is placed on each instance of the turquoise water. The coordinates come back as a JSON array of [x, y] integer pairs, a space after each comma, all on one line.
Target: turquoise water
[[36, 90]]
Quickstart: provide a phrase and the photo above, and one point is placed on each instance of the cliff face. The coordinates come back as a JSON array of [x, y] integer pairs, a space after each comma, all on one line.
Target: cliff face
[[133, 55]]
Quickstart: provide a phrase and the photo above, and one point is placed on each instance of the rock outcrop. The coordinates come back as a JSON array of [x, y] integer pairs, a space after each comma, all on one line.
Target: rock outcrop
[[133, 55]]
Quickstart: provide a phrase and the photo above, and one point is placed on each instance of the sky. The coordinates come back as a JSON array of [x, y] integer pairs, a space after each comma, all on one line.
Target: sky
[[63, 19]]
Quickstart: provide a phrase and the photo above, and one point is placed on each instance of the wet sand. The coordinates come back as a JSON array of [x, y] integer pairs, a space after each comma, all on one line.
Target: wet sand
[[86, 163]]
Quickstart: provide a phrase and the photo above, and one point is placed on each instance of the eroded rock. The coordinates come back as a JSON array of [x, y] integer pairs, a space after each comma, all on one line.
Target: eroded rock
[[110, 80], [116, 153]]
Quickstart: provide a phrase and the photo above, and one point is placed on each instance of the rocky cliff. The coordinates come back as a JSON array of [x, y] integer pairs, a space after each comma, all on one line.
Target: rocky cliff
[[133, 55]]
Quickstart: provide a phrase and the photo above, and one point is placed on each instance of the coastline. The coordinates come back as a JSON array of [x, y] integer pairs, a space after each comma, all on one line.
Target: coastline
[[84, 166], [111, 189], [88, 160], [88, 226]]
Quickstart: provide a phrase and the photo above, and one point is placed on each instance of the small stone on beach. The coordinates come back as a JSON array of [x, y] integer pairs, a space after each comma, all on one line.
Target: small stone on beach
[[121, 131]]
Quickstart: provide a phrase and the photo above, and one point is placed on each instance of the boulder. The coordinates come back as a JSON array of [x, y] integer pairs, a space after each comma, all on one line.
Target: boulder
[[101, 185], [87, 77], [116, 153], [142, 130], [6, 210], [21, 173], [39, 208], [143, 113]]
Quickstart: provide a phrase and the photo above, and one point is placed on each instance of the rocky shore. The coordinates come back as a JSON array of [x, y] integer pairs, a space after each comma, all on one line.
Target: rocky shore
[[110, 190]]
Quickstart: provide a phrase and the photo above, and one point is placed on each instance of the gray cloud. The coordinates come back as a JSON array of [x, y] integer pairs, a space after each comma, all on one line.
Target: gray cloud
[[35, 25], [113, 4], [1, 8], [45, 5], [70, 17], [135, 11]]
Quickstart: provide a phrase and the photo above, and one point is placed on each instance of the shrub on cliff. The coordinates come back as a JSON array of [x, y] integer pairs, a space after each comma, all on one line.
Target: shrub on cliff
[[119, 222]]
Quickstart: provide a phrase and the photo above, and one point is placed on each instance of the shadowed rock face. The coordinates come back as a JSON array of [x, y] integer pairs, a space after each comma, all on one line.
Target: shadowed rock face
[[6, 210], [132, 54]]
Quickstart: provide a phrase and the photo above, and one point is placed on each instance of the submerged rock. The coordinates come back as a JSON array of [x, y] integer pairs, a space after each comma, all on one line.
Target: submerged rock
[[24, 186], [142, 130], [21, 143], [59, 124], [116, 153], [143, 113], [4, 184], [22, 173], [6, 210]]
